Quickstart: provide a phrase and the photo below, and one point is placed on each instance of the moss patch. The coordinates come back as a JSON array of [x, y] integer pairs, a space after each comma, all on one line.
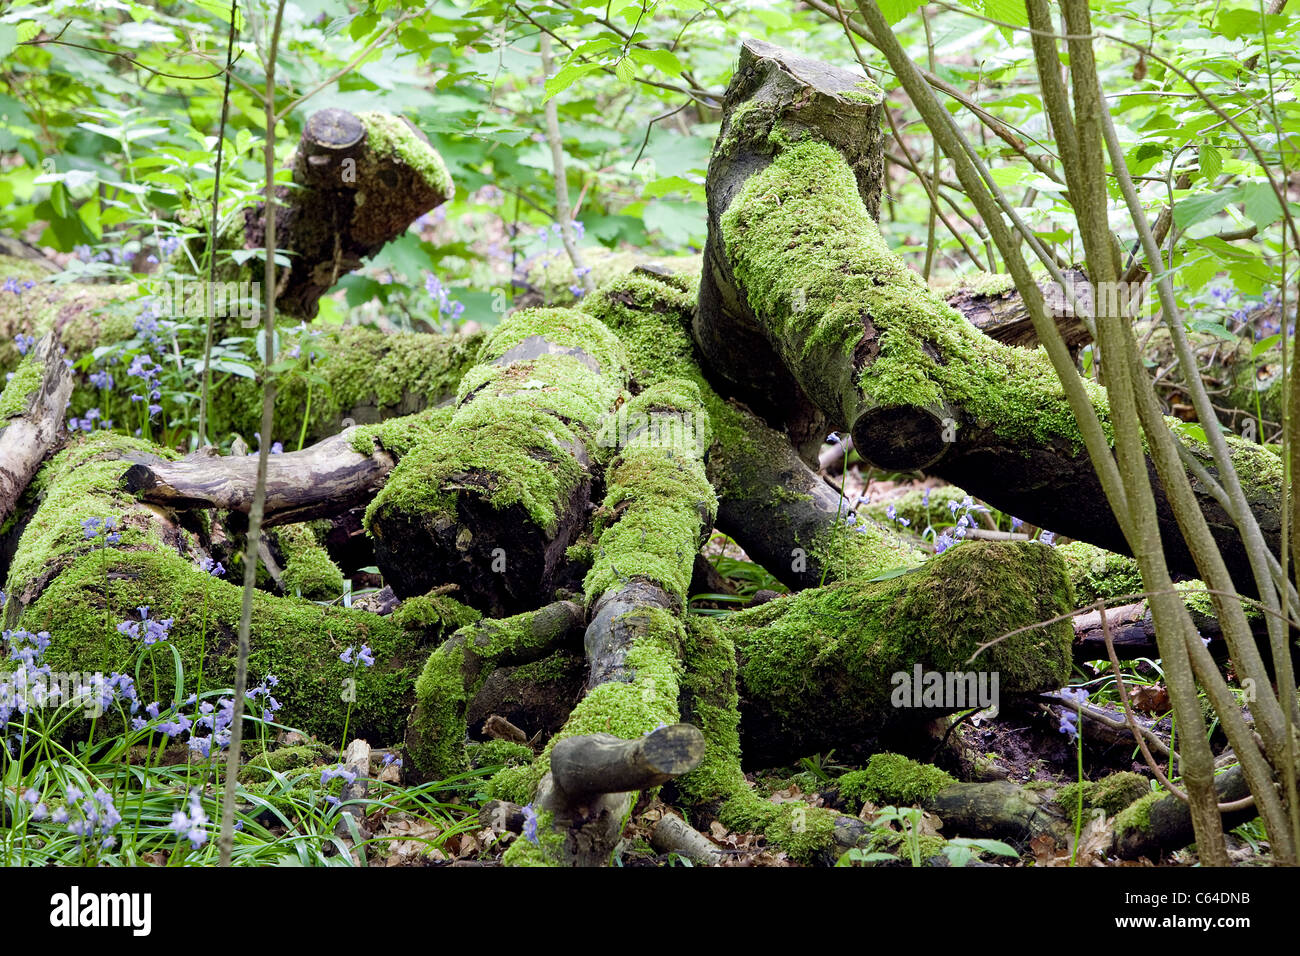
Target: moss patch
[[893, 779]]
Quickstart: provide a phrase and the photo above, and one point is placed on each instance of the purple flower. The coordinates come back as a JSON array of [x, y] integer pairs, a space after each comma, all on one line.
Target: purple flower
[[1048, 538], [365, 657], [343, 773], [391, 759], [191, 825], [346, 656], [530, 824]]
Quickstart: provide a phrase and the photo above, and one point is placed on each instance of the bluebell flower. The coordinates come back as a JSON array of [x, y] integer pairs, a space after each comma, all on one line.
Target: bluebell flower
[[530, 824], [346, 656]]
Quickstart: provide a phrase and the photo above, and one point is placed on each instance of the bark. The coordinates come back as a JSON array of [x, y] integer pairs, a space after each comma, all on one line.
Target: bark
[[658, 509], [455, 673], [31, 413], [1000, 810], [320, 481], [672, 834], [992, 304]]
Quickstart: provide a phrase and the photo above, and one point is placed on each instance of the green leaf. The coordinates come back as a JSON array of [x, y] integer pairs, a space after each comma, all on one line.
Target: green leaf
[[663, 60], [1008, 11], [1217, 329], [891, 573], [1194, 209], [1262, 207], [1211, 161], [568, 74], [625, 71], [895, 10], [8, 39]]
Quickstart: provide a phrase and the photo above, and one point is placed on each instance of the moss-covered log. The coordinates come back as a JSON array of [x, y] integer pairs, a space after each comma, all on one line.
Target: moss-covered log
[[359, 180], [772, 85], [992, 304], [365, 377], [493, 500], [657, 511], [834, 666], [1160, 822], [31, 415], [877, 351], [549, 279], [78, 586]]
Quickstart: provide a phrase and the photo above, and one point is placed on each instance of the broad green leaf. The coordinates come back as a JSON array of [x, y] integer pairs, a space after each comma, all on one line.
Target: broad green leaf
[[1262, 207], [663, 60], [1211, 162]]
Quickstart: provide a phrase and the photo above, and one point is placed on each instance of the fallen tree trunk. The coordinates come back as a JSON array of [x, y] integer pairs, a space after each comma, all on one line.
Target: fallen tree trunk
[[848, 663], [494, 499], [658, 509], [992, 304], [31, 414], [795, 258], [322, 480], [778, 509]]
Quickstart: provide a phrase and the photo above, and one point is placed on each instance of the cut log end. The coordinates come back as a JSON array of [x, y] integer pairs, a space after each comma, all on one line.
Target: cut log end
[[904, 438], [594, 764]]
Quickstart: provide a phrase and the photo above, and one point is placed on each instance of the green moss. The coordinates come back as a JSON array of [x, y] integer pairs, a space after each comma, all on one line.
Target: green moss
[[1136, 815], [512, 438], [434, 611], [862, 551], [976, 284], [864, 91], [27, 379], [515, 784], [841, 644], [286, 759], [454, 673], [498, 752], [295, 640], [1098, 573], [547, 851], [551, 275], [362, 374], [1111, 794], [815, 268], [391, 136], [624, 708], [309, 571], [652, 318], [398, 436], [80, 482], [659, 502], [893, 779]]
